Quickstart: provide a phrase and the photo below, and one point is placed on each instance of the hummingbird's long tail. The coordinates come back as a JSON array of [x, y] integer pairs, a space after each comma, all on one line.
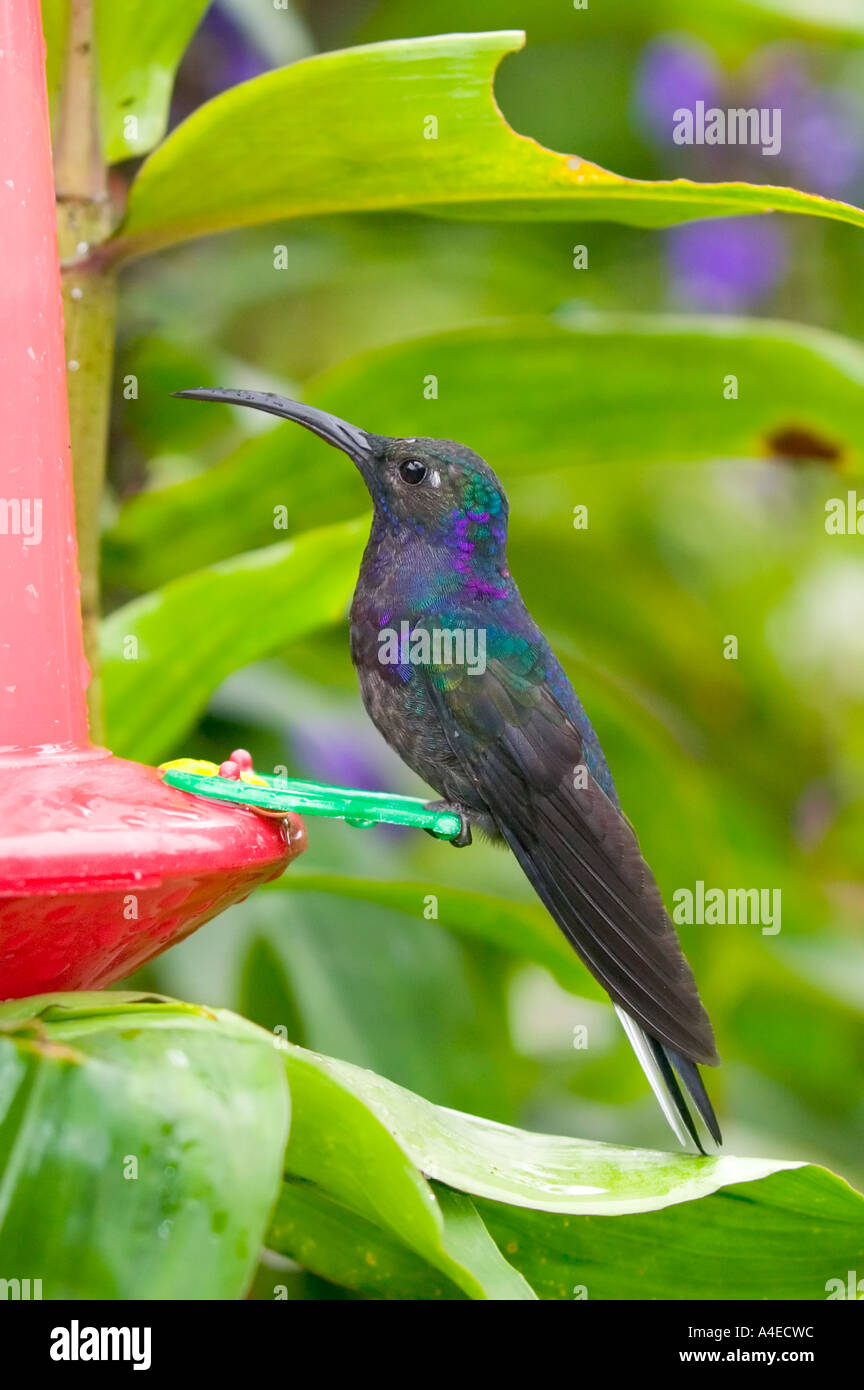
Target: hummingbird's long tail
[[571, 896], [520, 752], [660, 1063]]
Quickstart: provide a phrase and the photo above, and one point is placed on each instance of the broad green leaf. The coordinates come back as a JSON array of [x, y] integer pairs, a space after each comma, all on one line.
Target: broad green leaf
[[529, 396], [346, 1248], [337, 1244], [281, 1278], [541, 1171], [351, 131], [139, 44], [784, 1237], [569, 1214], [468, 1241], [141, 1145], [342, 1147], [178, 643], [523, 929], [383, 1193]]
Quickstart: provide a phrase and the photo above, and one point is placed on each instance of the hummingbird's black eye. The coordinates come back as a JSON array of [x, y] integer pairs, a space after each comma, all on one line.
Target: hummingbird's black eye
[[412, 471]]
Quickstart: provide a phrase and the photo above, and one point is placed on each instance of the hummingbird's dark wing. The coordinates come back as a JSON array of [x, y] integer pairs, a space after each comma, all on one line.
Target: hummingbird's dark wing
[[524, 758]]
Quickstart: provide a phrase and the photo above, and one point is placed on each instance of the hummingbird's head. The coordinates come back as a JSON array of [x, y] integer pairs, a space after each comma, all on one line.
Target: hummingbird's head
[[433, 486]]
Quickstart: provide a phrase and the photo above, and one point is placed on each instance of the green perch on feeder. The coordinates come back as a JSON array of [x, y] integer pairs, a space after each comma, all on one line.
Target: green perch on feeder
[[236, 781]]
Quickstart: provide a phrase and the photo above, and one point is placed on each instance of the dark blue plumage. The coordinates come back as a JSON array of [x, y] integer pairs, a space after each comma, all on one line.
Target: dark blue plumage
[[462, 683]]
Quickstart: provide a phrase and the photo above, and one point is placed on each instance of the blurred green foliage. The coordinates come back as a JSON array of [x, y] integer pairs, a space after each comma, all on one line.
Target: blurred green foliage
[[740, 773], [596, 381]]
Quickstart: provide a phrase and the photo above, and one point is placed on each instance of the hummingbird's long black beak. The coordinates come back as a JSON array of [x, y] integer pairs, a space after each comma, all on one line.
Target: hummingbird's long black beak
[[353, 441]]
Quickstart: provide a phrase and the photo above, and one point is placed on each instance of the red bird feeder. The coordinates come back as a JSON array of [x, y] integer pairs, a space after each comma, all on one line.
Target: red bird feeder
[[102, 865]]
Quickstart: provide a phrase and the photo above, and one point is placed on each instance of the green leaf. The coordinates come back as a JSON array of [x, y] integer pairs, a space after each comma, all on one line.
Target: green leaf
[[529, 395], [139, 44], [567, 1213], [350, 130], [541, 1171], [783, 1237], [164, 654], [141, 1144], [383, 1193], [523, 929], [325, 1236], [342, 1147], [468, 1241], [339, 1245], [280, 1278]]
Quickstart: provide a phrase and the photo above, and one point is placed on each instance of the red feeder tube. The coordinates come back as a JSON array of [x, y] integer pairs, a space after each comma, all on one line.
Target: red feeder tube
[[102, 865]]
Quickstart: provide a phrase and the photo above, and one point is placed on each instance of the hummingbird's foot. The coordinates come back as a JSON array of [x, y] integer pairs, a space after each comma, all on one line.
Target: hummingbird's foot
[[464, 837]]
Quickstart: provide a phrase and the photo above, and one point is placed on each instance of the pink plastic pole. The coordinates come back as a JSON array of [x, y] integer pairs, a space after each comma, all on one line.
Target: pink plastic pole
[[43, 674]]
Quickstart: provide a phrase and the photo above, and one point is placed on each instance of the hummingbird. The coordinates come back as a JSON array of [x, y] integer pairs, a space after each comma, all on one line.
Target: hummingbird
[[500, 734]]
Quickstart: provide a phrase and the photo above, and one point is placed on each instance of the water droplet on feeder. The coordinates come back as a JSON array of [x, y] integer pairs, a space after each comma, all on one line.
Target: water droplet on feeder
[[229, 769], [243, 759]]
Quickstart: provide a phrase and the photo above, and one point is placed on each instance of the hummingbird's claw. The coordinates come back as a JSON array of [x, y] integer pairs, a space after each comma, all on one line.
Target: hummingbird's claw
[[463, 839], [464, 836]]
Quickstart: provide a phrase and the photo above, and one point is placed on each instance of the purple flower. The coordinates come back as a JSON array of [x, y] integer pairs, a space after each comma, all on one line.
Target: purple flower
[[234, 56], [675, 71], [827, 148], [332, 753], [822, 142], [724, 265]]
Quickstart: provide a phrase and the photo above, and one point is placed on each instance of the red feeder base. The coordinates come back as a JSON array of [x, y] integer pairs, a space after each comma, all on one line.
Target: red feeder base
[[103, 866]]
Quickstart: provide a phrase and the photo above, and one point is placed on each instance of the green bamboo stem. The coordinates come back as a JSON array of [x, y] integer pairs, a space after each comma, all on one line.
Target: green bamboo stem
[[89, 298]]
